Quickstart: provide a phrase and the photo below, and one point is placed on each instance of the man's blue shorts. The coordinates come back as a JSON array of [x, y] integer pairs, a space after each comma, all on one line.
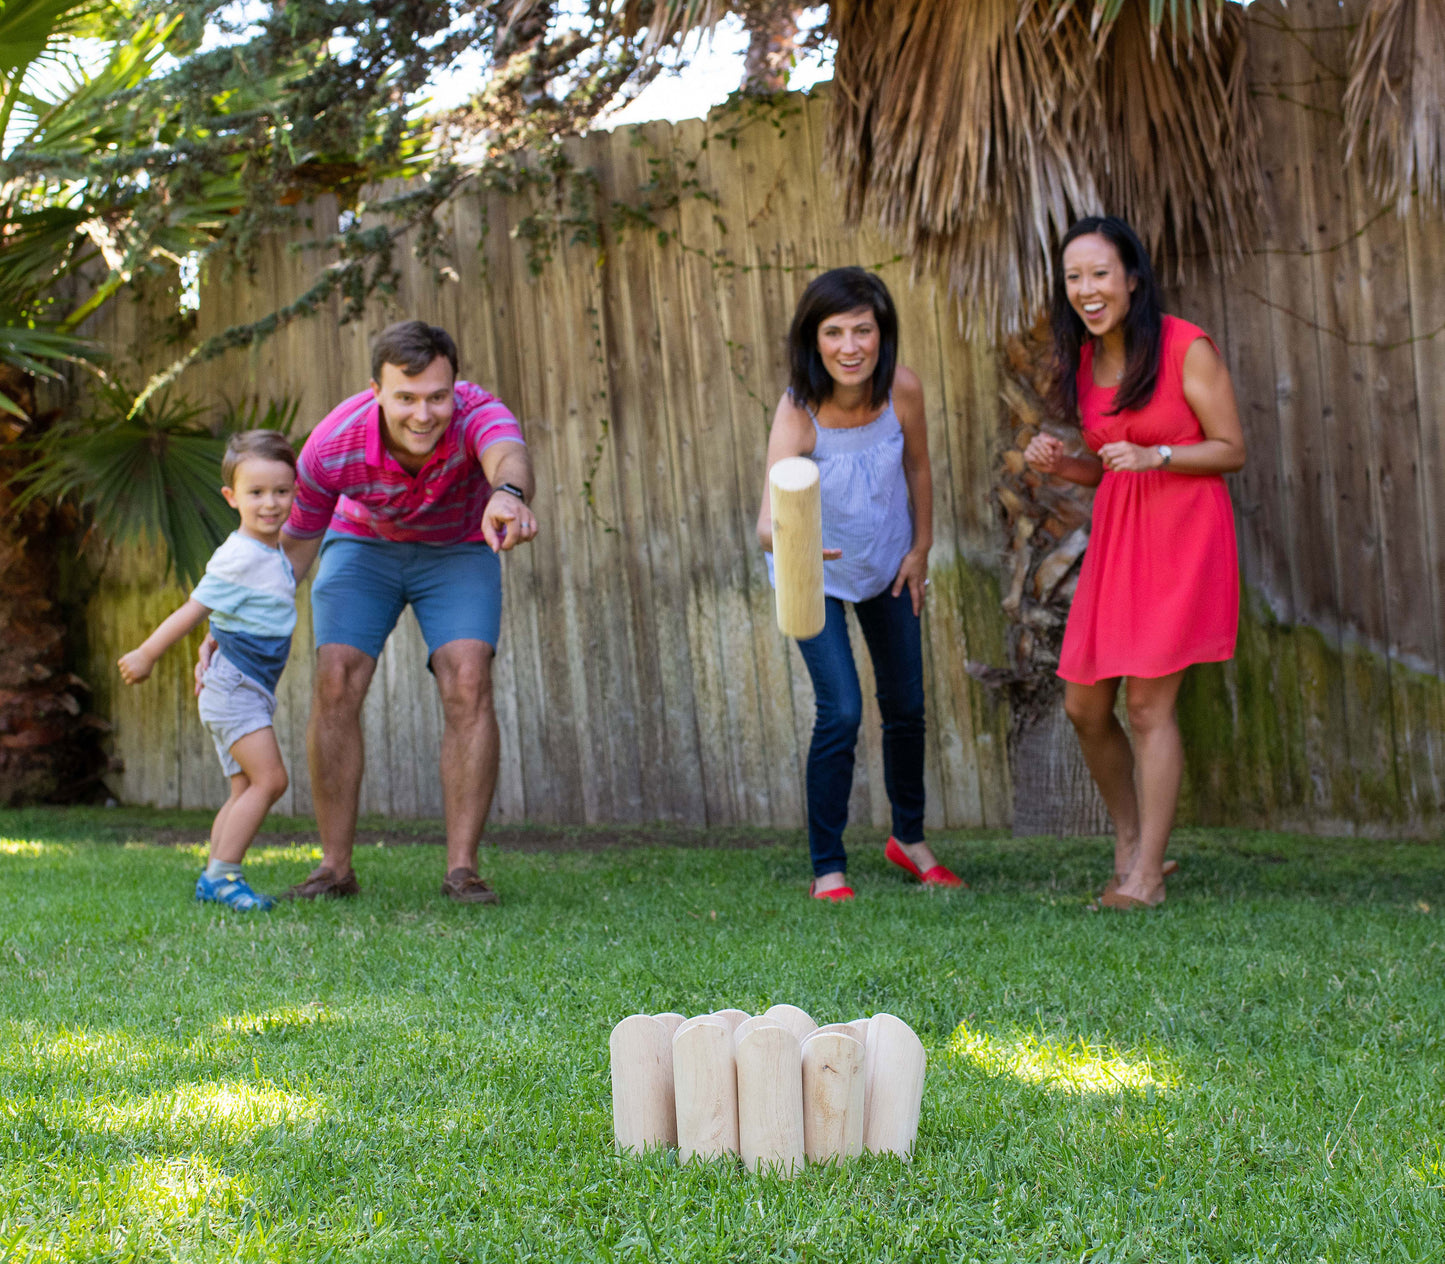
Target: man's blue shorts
[[361, 587]]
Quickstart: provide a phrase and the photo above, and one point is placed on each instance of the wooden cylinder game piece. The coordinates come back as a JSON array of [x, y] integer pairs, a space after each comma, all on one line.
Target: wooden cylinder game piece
[[704, 1077], [796, 1020], [752, 1024], [731, 1018], [770, 1100], [671, 1021], [859, 1031], [644, 1112], [797, 507], [893, 1067], [689, 1024], [832, 1096]]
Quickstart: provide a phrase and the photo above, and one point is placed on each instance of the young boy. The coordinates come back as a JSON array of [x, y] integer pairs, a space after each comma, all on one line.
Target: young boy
[[249, 593]]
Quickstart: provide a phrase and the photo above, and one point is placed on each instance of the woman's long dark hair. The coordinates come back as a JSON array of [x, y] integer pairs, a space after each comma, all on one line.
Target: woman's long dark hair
[[1143, 326], [832, 294]]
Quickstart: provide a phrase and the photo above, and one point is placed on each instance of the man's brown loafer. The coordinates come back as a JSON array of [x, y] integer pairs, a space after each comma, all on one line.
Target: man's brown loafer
[[323, 882], [465, 887]]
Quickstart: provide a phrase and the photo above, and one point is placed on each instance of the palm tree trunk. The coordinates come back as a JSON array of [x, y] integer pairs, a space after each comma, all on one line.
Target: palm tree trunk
[[1047, 524], [772, 27], [49, 744]]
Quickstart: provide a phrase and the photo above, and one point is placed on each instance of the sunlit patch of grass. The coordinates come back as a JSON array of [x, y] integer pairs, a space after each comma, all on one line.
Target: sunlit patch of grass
[[1431, 1168], [288, 1016], [29, 847], [79, 1048], [162, 1209], [1075, 1067], [178, 1188], [204, 1109]]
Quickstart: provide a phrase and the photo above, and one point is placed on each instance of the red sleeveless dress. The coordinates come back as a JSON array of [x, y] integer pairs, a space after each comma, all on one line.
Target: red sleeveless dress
[[1159, 586]]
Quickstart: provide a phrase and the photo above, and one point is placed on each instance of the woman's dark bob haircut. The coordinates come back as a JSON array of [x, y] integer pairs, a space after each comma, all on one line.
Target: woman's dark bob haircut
[[833, 294], [1143, 326]]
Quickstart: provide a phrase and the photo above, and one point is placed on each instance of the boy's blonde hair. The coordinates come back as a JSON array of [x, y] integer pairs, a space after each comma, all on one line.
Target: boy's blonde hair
[[269, 445]]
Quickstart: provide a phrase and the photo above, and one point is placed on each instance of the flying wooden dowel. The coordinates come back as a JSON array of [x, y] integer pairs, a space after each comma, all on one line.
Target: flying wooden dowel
[[770, 1100], [704, 1077], [893, 1068], [795, 496], [644, 1112], [832, 1096]]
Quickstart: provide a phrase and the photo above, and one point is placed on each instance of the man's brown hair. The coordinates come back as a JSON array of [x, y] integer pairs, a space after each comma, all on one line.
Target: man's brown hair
[[269, 445], [411, 345]]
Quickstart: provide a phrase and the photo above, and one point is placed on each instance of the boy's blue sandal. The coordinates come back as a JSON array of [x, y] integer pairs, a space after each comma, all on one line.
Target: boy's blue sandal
[[232, 892]]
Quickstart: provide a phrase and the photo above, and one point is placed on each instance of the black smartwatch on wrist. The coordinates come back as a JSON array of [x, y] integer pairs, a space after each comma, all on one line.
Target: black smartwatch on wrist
[[512, 490]]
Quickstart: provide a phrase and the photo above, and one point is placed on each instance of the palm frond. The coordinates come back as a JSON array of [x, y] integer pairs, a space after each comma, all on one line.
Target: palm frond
[[1395, 99], [152, 477], [970, 133], [975, 133], [1182, 141], [670, 22]]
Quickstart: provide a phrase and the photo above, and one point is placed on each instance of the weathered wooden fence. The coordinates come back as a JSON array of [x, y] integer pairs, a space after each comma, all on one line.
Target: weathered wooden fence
[[640, 676]]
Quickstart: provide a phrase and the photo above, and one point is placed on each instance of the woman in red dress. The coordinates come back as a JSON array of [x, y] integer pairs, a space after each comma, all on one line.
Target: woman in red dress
[[1159, 587]]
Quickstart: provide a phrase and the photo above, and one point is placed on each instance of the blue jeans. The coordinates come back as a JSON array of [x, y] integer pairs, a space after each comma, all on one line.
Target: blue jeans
[[895, 645]]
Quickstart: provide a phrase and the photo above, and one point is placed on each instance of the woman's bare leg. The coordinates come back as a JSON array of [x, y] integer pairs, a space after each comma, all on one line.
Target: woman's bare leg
[[1090, 709], [1159, 755]]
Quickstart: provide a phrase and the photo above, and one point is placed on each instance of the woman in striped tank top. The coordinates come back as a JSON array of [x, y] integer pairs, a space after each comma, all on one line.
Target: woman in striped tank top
[[859, 415]]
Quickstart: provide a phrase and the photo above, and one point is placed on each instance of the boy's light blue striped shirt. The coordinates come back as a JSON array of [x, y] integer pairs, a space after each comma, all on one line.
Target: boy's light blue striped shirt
[[250, 590]]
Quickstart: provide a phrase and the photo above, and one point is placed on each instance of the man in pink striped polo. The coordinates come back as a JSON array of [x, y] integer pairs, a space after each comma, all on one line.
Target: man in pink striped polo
[[408, 491]]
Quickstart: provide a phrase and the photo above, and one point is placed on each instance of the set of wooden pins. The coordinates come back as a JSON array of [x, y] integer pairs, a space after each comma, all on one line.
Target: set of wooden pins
[[774, 1089], [795, 498]]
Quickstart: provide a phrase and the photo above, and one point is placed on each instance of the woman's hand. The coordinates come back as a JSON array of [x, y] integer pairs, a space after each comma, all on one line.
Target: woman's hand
[[1123, 455], [914, 572], [1045, 453]]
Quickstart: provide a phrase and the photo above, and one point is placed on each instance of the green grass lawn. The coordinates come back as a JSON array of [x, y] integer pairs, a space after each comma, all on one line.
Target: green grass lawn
[[1255, 1072]]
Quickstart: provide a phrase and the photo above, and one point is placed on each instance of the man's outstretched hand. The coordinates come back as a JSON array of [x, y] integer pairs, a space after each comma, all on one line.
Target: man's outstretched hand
[[507, 522]]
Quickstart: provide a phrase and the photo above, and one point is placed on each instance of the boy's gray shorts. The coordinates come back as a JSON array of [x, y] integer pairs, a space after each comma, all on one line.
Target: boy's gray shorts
[[232, 705]]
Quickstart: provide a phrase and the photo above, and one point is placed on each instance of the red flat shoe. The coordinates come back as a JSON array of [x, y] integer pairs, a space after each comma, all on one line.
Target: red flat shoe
[[894, 852], [837, 895], [938, 876]]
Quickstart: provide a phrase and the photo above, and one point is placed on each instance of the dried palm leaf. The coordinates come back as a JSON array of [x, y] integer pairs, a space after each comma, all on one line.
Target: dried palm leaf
[[969, 132], [1182, 140], [975, 133], [1395, 99], [671, 21]]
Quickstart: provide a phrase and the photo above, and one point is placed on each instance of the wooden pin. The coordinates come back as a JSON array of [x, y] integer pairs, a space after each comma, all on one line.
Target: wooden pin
[[770, 1100], [893, 1069], [753, 1024], [671, 1021], [644, 1113], [704, 1077], [731, 1018], [795, 496], [832, 1096], [857, 1029], [796, 1020]]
